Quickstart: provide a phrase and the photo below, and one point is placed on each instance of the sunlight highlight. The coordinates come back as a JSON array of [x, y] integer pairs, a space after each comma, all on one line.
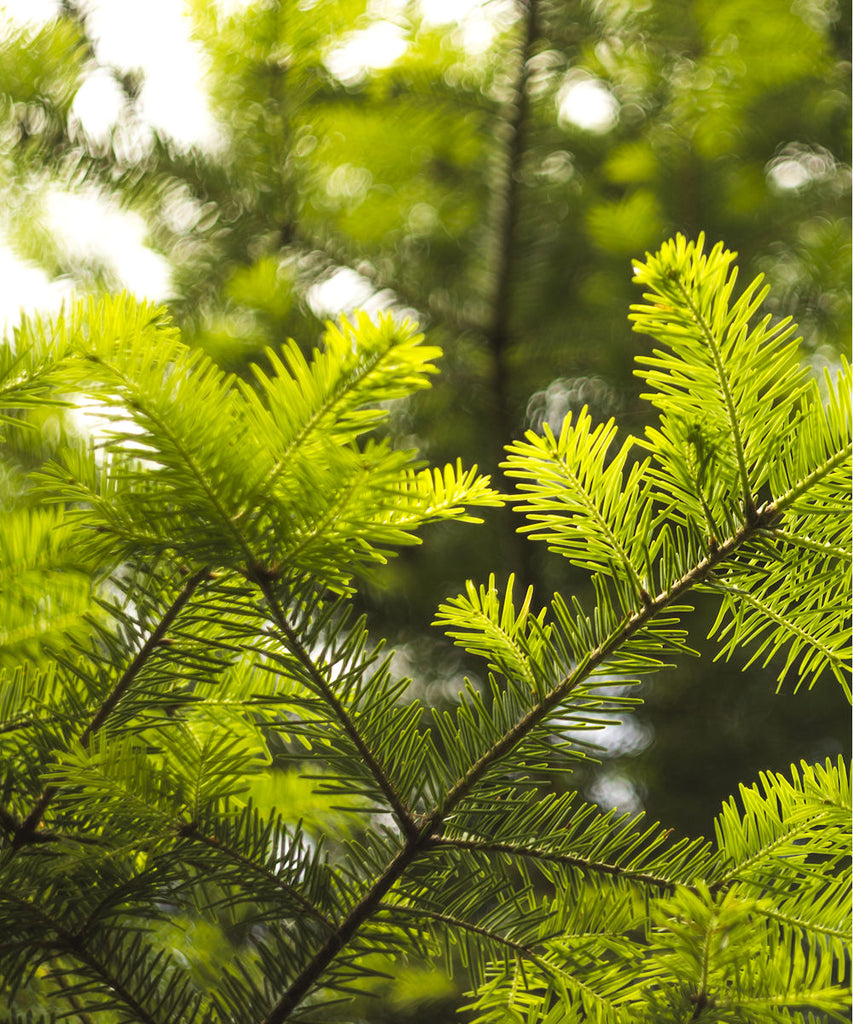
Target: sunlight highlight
[[87, 225], [372, 49], [588, 104]]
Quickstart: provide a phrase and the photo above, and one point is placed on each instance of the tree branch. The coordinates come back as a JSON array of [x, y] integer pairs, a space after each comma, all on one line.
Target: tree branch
[[555, 857], [419, 841], [540, 711], [362, 912], [59, 942], [799, 488], [725, 387], [458, 923], [191, 832], [292, 642], [25, 833]]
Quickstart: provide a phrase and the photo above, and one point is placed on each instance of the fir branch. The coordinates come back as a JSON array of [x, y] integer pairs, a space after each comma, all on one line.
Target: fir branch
[[59, 941], [789, 624], [225, 519], [359, 915], [802, 486], [292, 642], [808, 544], [57, 978], [190, 831], [343, 499], [450, 921], [725, 388], [76, 948], [30, 824], [324, 413], [384, 752], [802, 924], [597, 657], [574, 497], [420, 837], [26, 723], [555, 857], [799, 830], [702, 998]]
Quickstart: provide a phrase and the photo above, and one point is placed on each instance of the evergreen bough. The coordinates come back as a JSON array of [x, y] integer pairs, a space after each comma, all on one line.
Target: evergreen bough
[[176, 610]]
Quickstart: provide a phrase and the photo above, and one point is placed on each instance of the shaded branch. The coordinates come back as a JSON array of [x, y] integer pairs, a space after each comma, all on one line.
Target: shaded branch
[[466, 926], [191, 832], [363, 911], [292, 642], [25, 833], [57, 942]]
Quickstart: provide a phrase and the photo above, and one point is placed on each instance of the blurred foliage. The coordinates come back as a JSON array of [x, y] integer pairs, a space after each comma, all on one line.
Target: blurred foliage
[[494, 180]]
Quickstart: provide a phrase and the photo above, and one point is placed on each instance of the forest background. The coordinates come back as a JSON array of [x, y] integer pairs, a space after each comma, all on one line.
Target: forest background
[[490, 175]]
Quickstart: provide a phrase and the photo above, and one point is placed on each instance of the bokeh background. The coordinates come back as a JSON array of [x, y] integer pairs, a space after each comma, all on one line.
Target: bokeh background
[[489, 168]]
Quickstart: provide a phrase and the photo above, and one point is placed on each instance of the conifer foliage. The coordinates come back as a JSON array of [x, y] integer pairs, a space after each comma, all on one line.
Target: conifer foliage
[[175, 615]]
